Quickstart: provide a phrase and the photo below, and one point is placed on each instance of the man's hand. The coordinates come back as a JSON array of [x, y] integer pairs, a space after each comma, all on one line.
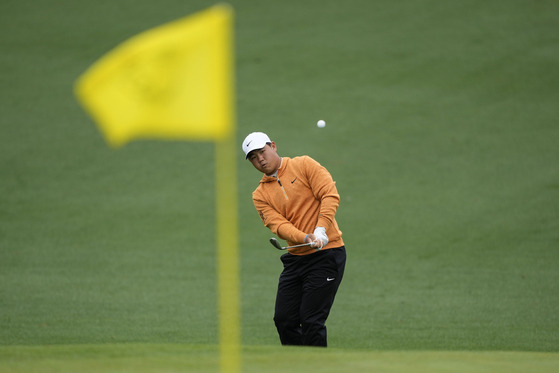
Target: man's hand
[[318, 239], [315, 242]]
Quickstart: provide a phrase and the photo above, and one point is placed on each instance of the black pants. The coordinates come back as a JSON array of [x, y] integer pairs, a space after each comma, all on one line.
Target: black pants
[[306, 290]]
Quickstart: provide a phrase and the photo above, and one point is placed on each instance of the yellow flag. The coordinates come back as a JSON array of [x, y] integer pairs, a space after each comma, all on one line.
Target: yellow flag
[[176, 82], [171, 82]]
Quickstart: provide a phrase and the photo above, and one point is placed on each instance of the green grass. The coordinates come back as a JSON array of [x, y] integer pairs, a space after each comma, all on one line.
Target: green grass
[[191, 358], [441, 134]]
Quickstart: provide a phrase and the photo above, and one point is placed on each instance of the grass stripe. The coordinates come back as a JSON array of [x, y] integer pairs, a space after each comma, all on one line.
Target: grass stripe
[[142, 358]]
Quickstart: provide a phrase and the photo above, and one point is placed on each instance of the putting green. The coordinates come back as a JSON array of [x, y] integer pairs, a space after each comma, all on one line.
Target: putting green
[[139, 358]]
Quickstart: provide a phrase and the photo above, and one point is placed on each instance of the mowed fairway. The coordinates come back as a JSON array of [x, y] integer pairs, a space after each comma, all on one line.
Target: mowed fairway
[[135, 358], [442, 135]]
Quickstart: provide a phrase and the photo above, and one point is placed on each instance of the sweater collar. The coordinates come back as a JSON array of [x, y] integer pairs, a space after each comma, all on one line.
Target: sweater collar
[[278, 173]]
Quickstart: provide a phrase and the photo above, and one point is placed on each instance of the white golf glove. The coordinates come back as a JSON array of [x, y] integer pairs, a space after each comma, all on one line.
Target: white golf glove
[[320, 234]]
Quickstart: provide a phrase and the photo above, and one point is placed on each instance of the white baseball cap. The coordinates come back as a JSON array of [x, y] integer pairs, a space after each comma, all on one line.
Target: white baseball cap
[[255, 140]]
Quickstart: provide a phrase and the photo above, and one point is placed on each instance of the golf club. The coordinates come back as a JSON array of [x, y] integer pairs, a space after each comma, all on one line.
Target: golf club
[[277, 245]]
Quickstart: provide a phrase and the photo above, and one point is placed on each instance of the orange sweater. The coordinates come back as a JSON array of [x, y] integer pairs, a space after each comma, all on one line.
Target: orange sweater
[[302, 197]]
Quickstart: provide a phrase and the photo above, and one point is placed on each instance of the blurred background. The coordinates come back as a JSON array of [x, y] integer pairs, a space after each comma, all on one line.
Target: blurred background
[[441, 133]]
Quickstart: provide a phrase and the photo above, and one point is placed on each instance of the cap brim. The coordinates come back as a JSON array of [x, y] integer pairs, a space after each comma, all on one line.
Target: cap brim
[[255, 147]]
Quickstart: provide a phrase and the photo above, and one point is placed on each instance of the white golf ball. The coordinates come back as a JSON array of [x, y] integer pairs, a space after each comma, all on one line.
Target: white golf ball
[[321, 124]]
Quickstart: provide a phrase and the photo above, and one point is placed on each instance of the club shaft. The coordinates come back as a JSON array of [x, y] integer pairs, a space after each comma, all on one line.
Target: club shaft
[[278, 246], [294, 246]]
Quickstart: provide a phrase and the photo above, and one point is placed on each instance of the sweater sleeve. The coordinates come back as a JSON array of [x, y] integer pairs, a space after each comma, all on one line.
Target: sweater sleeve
[[276, 223], [324, 189]]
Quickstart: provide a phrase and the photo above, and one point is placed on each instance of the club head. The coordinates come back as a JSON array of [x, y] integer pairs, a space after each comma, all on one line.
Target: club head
[[276, 244]]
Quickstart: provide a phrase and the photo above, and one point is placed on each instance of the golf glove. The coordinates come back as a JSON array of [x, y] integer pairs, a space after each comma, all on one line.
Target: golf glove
[[320, 234]]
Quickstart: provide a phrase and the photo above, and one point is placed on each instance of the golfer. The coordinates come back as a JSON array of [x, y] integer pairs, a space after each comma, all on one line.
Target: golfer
[[297, 200]]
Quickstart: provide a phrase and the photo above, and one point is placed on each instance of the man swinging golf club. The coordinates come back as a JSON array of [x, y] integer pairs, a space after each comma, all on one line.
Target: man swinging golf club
[[297, 200]]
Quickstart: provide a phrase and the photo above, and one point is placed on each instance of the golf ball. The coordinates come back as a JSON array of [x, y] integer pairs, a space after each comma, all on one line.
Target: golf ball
[[321, 124]]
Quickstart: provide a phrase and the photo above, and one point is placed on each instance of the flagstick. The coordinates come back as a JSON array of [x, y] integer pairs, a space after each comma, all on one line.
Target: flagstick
[[199, 106], [228, 256]]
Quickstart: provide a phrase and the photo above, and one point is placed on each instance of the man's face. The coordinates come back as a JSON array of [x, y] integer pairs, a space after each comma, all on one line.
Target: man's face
[[265, 160]]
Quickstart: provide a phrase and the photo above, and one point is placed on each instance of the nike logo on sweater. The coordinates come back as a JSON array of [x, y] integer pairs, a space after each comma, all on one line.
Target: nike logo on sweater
[[293, 180], [330, 279]]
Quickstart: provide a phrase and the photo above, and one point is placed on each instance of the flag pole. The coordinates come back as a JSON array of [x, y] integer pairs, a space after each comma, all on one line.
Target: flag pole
[[227, 255], [176, 81]]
